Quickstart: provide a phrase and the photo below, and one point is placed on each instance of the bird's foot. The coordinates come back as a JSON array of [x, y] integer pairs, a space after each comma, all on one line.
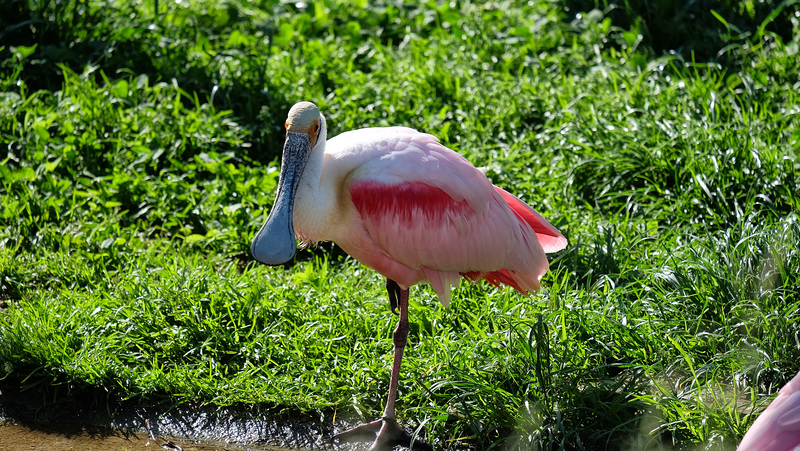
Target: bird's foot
[[386, 432]]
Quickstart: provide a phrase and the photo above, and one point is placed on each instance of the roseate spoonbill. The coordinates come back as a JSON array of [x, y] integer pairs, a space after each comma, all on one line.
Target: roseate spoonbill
[[406, 206], [777, 428]]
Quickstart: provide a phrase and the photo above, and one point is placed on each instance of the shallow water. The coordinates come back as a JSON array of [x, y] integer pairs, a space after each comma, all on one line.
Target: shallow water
[[28, 423], [36, 436], [46, 437]]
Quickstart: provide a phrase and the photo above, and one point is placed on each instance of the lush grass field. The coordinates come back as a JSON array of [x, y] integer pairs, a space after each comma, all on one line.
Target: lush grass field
[[139, 158]]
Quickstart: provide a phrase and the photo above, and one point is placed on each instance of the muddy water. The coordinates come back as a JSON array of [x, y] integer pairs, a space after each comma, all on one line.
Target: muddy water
[[19, 437], [48, 437], [27, 423], [36, 436], [59, 438]]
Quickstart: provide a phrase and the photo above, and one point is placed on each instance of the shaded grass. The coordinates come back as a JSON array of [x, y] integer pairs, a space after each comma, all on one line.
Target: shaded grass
[[132, 186]]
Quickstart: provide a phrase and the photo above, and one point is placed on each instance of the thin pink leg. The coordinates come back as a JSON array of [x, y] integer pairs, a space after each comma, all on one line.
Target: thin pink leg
[[389, 433], [400, 338]]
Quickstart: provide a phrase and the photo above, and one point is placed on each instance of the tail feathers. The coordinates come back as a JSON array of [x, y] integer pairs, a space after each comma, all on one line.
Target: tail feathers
[[520, 282], [549, 237]]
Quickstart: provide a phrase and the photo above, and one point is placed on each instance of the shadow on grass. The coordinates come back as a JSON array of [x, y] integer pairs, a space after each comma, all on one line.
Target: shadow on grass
[[690, 28], [116, 38]]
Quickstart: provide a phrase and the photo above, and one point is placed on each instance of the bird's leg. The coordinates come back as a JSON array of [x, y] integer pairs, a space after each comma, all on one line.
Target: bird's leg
[[388, 430], [400, 338], [394, 291]]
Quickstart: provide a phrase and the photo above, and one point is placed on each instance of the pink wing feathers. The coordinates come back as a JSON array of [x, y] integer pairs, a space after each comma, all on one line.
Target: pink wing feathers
[[428, 208], [778, 426]]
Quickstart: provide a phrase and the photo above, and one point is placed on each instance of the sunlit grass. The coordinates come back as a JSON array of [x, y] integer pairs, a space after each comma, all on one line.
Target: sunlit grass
[[140, 160]]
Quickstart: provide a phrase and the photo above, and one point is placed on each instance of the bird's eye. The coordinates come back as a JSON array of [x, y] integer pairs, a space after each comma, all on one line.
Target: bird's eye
[[286, 125], [316, 128]]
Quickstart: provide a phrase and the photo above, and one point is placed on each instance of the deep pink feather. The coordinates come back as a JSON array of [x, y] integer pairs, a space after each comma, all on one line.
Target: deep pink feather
[[424, 228]]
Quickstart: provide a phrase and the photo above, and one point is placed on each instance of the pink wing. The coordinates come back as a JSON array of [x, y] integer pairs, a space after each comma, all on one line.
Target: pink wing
[[778, 427], [428, 208]]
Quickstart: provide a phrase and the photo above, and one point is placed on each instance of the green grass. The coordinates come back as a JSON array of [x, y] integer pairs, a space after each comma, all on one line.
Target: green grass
[[140, 155]]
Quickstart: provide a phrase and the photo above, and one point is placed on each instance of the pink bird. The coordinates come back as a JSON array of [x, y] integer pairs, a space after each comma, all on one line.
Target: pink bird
[[406, 206], [777, 428]]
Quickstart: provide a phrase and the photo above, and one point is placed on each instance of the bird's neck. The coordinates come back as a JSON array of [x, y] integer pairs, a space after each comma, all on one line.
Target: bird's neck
[[313, 201]]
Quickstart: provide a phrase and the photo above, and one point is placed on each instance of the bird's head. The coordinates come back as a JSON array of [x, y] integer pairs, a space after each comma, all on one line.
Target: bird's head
[[305, 119], [275, 243]]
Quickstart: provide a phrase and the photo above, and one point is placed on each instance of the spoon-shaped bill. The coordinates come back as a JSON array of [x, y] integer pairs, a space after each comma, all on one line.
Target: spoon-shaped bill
[[275, 243]]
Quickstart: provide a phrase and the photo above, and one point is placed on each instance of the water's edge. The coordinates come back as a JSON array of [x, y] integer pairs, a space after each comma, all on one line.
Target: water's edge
[[30, 417]]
